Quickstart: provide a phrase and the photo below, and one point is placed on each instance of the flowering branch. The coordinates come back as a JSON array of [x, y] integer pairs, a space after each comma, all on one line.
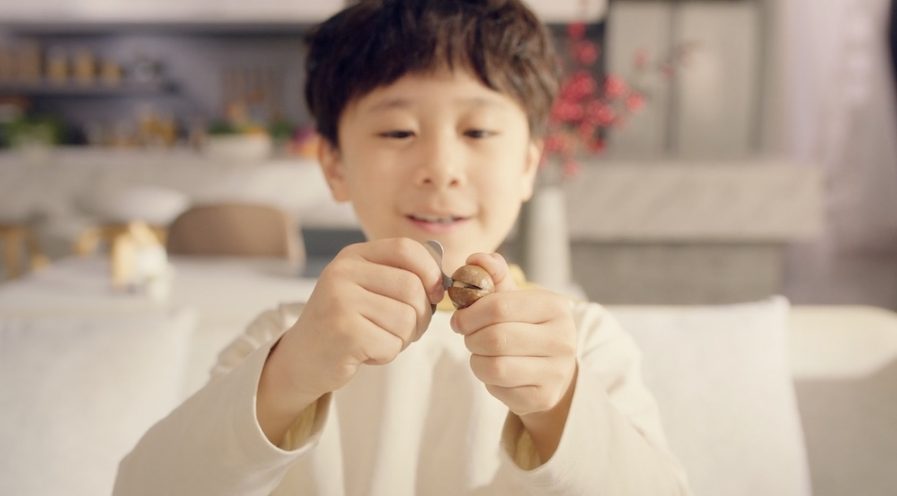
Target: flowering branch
[[586, 108]]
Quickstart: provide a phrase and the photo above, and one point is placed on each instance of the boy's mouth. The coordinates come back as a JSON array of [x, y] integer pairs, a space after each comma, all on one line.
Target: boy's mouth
[[436, 219], [436, 223]]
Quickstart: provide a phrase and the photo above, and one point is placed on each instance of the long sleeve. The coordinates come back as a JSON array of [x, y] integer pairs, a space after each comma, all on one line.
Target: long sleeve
[[613, 443], [368, 436], [212, 443]]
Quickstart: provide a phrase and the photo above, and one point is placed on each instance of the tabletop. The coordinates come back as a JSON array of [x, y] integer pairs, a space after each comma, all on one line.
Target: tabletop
[[224, 293]]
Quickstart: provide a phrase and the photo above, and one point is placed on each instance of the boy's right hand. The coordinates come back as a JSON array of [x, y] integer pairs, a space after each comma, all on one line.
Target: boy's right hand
[[369, 304]]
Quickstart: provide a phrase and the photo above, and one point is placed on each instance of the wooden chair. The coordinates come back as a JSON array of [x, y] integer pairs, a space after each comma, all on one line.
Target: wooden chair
[[235, 229], [16, 240]]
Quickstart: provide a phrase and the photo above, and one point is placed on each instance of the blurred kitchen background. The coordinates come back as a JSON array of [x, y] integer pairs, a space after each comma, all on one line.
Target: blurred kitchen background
[[762, 163]]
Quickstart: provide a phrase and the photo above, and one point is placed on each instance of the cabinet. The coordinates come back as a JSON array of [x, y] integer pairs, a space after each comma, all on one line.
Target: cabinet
[[711, 107]]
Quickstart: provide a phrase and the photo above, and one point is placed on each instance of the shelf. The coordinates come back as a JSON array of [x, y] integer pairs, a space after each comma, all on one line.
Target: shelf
[[117, 27], [74, 90]]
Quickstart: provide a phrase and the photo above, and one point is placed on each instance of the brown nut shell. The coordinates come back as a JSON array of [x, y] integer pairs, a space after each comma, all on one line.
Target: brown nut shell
[[469, 284]]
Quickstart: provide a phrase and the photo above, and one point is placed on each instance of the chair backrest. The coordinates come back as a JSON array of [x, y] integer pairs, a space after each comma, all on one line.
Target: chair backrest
[[237, 229]]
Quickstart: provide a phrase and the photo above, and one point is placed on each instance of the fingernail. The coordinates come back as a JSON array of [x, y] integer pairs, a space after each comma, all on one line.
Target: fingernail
[[453, 324], [437, 294]]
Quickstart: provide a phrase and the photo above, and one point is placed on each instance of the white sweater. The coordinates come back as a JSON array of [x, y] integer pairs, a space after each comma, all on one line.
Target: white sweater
[[422, 425]]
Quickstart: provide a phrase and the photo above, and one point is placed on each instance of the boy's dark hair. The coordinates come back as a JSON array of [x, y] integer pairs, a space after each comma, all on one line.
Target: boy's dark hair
[[375, 42]]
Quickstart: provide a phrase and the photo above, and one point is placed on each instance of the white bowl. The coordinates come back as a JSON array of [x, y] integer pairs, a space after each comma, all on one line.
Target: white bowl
[[154, 205], [238, 148]]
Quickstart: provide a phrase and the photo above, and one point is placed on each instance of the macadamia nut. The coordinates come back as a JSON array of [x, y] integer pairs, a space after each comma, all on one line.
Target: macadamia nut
[[469, 284]]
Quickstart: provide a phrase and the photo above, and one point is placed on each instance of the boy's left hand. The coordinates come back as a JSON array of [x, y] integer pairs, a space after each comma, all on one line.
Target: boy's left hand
[[522, 344]]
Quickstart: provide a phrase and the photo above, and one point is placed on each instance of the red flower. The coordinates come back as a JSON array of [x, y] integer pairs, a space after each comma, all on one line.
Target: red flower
[[565, 111], [597, 146], [554, 143], [586, 53], [635, 102], [571, 168], [576, 30], [614, 86], [586, 130], [586, 108], [600, 113], [606, 116], [579, 86]]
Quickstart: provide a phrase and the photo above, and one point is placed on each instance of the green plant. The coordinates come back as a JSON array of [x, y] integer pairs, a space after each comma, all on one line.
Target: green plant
[[281, 130], [31, 130], [223, 128]]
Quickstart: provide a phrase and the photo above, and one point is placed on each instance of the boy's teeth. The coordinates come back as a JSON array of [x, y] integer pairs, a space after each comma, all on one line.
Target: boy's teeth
[[427, 218]]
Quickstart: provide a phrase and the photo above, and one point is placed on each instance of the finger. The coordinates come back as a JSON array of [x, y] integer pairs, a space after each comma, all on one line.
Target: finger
[[401, 286], [517, 339], [376, 345], [524, 399], [407, 254], [396, 284], [497, 267], [395, 317], [528, 306], [511, 371]]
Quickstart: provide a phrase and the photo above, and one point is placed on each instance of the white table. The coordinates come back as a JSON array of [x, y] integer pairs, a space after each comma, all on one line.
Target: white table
[[224, 293]]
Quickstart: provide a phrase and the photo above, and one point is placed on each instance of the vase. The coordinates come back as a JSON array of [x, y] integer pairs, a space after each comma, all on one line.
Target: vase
[[545, 239]]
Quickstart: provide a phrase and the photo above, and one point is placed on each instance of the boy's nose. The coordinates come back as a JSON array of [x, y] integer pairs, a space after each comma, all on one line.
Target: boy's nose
[[440, 164]]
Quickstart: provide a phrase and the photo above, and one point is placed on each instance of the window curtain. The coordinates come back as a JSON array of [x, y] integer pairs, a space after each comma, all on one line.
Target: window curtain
[[838, 112], [892, 39], [831, 104]]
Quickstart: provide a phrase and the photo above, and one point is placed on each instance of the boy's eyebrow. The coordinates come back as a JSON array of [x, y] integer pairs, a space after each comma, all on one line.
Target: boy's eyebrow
[[388, 104], [400, 102], [477, 101]]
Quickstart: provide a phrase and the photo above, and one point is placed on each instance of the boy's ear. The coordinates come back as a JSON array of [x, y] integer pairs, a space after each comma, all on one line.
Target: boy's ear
[[332, 166], [531, 167]]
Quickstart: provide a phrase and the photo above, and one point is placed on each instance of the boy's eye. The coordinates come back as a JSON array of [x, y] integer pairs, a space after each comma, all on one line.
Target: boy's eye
[[396, 134], [479, 133]]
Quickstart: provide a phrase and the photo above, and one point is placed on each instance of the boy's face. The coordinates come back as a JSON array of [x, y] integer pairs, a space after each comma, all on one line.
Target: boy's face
[[435, 156]]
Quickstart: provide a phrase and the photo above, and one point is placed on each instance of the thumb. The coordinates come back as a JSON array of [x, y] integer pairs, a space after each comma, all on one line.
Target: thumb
[[498, 270]]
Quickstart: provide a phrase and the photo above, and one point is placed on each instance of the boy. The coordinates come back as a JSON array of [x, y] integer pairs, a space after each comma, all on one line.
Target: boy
[[430, 113]]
